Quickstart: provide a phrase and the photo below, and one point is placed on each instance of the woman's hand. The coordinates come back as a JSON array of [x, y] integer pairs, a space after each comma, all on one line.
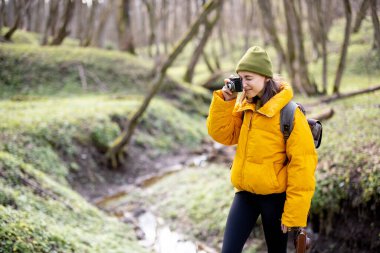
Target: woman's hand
[[227, 93], [284, 228]]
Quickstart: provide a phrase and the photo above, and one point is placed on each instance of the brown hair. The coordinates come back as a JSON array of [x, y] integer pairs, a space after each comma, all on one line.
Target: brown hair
[[271, 88]]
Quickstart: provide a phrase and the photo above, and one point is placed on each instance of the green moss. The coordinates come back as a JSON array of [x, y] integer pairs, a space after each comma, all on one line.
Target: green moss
[[18, 234], [103, 134], [348, 167], [40, 215]]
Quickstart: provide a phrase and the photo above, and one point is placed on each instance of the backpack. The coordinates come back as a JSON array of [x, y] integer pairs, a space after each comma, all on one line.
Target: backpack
[[286, 122]]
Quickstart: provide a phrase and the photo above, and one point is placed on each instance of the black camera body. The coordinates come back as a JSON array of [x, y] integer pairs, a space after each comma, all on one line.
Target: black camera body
[[235, 84]]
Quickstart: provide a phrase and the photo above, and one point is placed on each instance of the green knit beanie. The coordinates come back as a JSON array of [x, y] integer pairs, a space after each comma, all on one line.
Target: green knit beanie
[[256, 60]]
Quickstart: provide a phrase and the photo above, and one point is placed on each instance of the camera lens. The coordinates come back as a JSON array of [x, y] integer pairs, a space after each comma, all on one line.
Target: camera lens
[[235, 84], [231, 86]]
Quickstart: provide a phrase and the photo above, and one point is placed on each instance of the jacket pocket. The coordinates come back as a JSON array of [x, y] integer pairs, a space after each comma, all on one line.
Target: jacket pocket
[[260, 178]]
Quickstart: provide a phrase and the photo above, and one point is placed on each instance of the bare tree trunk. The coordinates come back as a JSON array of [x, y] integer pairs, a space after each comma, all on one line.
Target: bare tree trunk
[[270, 27], [323, 34], [313, 23], [140, 23], [126, 41], [291, 57], [53, 12], [10, 13], [150, 7], [2, 15], [18, 8], [308, 85], [360, 15], [55, 18], [301, 75], [249, 24], [105, 12], [343, 54], [79, 19], [114, 153], [175, 25], [90, 25], [376, 26], [164, 17], [221, 36], [188, 12], [208, 28], [28, 15], [38, 16], [63, 32]]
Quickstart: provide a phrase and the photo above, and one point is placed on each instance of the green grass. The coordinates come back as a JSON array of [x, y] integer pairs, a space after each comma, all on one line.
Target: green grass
[[37, 214], [58, 71], [35, 130]]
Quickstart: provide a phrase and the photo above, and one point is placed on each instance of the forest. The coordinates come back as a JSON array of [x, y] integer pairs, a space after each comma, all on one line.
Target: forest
[[103, 106]]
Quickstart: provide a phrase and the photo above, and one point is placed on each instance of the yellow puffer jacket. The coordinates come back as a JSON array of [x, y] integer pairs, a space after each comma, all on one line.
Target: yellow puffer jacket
[[259, 161]]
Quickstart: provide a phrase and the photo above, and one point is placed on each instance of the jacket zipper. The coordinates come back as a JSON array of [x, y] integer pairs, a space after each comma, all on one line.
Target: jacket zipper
[[245, 150]]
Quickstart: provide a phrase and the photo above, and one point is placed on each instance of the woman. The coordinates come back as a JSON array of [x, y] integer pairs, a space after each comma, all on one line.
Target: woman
[[271, 178]]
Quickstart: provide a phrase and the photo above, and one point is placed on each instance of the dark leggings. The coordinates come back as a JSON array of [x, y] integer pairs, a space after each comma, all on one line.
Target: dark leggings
[[243, 215]]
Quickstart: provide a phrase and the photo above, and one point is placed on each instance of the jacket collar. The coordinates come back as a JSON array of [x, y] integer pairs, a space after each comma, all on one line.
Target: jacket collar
[[274, 105]]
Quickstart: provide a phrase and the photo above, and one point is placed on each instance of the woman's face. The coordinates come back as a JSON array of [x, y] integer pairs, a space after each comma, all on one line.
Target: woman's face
[[252, 83]]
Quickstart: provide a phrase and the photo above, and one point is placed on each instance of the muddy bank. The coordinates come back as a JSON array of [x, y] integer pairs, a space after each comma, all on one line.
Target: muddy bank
[[352, 230], [95, 178]]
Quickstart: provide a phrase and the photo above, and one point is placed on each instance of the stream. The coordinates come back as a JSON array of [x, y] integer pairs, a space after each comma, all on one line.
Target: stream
[[161, 239], [151, 230]]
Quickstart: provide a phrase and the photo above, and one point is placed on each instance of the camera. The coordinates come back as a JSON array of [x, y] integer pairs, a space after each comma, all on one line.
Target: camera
[[235, 84]]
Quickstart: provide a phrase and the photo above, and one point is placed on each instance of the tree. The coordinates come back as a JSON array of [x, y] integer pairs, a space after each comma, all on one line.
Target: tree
[[126, 41], [313, 24], [103, 17], [2, 15], [18, 9], [343, 53], [360, 15], [49, 25], [318, 29], [89, 32], [270, 27], [114, 153], [150, 7], [248, 22], [207, 31], [63, 32], [38, 16], [296, 52], [376, 26]]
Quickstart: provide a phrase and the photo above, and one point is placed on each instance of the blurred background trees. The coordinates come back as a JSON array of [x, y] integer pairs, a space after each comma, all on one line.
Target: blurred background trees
[[150, 28]]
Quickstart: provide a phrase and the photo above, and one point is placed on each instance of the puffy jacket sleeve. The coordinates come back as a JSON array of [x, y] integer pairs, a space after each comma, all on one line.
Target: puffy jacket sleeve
[[223, 122], [303, 160]]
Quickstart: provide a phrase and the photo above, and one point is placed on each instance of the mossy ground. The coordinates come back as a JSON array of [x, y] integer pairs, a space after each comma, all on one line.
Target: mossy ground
[[37, 214], [54, 132]]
